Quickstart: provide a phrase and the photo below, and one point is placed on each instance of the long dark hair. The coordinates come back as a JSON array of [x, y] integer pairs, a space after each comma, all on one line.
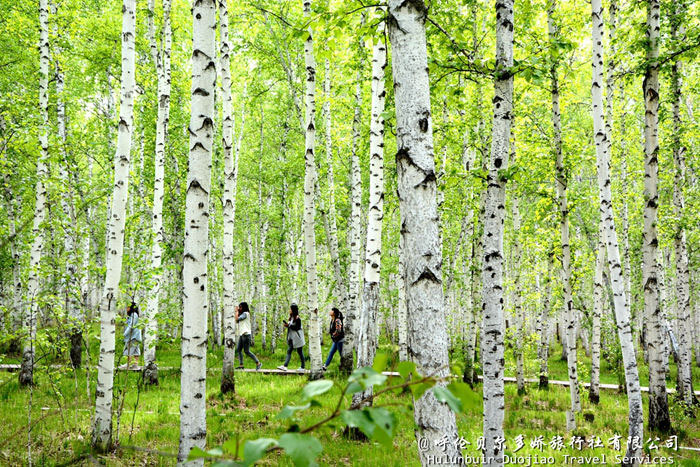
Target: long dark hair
[[244, 307], [133, 308], [295, 310], [336, 313]]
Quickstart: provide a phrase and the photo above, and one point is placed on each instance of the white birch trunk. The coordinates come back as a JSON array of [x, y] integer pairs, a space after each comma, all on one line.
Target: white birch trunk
[[598, 297], [355, 221], [367, 331], [102, 429], [658, 403], [543, 327], [230, 187], [309, 203], [402, 314], [562, 183], [685, 365], [417, 192], [622, 312], [195, 297], [162, 63], [492, 337], [26, 374], [341, 287]]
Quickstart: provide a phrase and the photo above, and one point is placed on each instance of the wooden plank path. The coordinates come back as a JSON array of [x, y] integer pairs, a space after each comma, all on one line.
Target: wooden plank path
[[276, 371]]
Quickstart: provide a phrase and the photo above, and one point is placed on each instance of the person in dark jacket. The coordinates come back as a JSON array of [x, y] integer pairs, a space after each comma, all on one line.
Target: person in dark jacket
[[295, 337], [243, 328], [337, 332]]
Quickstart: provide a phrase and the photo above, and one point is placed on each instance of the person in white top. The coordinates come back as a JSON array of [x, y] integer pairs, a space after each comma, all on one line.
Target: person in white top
[[243, 328]]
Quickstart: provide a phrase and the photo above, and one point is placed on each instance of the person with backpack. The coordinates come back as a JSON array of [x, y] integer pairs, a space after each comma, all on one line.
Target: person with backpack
[[295, 337], [132, 337], [337, 332], [243, 328]]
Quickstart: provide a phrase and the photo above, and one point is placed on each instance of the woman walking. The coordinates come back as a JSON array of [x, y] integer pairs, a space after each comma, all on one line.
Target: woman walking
[[295, 337], [337, 332], [132, 337], [244, 337]]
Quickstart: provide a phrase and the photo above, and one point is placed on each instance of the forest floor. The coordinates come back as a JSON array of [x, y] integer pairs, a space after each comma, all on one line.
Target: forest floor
[[148, 428]]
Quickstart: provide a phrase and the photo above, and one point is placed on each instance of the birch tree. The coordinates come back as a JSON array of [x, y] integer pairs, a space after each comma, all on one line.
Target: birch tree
[[162, 63], [598, 292], [309, 202], [685, 374], [231, 158], [355, 227], [659, 418], [562, 182], [26, 373], [367, 338], [102, 429], [417, 192], [341, 287], [621, 305], [193, 427], [492, 335]]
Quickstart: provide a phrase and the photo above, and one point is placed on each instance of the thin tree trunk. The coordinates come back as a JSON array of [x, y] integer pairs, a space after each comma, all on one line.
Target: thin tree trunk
[[26, 373], [685, 373], [562, 182], [492, 275], [162, 63], [355, 222], [417, 192], [230, 187], [402, 313], [309, 203], [622, 312], [367, 338], [517, 295], [102, 430], [659, 418], [598, 292], [544, 327], [341, 287], [195, 297]]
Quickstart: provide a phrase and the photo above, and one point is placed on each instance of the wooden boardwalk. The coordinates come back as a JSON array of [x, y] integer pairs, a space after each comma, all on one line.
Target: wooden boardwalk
[[275, 371]]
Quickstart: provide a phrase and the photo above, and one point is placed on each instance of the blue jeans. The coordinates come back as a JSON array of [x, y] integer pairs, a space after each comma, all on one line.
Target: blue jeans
[[336, 347]]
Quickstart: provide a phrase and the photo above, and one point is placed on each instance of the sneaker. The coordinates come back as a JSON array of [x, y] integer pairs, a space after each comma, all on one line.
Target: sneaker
[[323, 368], [239, 368], [258, 366], [282, 367]]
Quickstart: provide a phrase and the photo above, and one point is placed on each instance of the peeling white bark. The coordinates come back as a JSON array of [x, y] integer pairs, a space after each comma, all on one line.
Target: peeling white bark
[[417, 192], [102, 429], [309, 203], [367, 338], [193, 427], [622, 312]]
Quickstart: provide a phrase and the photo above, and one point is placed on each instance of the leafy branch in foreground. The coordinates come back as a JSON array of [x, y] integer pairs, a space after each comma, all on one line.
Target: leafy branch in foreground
[[377, 422]]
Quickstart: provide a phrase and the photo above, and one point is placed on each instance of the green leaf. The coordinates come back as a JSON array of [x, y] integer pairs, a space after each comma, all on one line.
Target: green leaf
[[366, 377], [359, 419], [419, 389], [380, 361], [445, 395], [466, 395], [254, 450], [316, 388], [288, 411], [197, 453], [230, 446], [384, 422], [405, 368], [303, 449], [353, 388]]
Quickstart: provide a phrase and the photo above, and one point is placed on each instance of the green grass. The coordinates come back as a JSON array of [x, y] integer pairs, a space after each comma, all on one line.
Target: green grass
[[61, 435]]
